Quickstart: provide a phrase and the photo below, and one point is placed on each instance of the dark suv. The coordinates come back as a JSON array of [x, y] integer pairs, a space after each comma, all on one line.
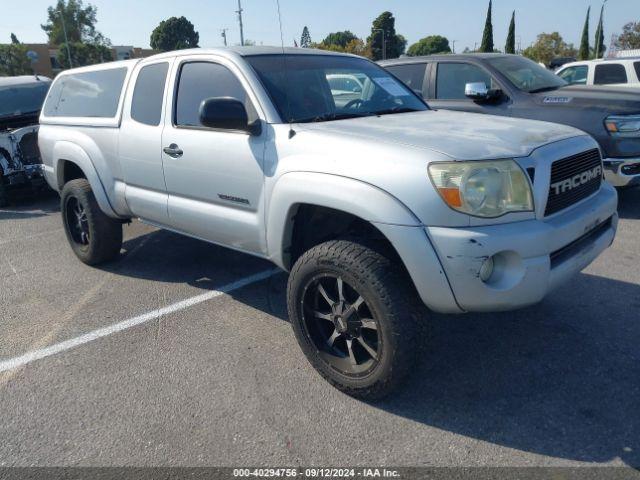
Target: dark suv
[[512, 85], [21, 99]]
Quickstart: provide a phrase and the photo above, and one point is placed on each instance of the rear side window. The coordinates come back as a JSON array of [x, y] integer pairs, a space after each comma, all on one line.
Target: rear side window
[[453, 77], [412, 75], [200, 81], [89, 94], [146, 105], [610, 73], [636, 65]]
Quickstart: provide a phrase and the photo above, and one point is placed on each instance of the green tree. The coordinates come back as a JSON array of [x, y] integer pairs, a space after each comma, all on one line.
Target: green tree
[[598, 47], [395, 44], [305, 39], [340, 39], [630, 37], [510, 46], [355, 47], [79, 22], [549, 46], [429, 45], [584, 53], [14, 60], [83, 54], [14, 39], [86, 44], [174, 34], [487, 35]]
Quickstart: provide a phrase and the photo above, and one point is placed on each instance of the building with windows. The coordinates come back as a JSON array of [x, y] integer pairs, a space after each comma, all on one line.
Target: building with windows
[[45, 57]]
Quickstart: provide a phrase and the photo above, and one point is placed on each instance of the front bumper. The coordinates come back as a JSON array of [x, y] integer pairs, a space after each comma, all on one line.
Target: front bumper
[[531, 257], [622, 172]]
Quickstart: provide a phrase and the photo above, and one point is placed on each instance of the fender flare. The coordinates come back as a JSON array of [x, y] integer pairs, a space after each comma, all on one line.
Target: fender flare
[[64, 151], [345, 194]]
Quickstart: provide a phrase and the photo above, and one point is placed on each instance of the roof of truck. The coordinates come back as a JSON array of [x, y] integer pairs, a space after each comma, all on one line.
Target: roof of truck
[[445, 56], [249, 51]]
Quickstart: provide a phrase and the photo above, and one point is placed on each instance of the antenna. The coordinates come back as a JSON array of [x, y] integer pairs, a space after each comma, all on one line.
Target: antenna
[[286, 76]]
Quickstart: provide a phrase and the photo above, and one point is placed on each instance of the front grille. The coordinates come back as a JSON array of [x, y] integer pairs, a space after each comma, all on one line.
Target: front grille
[[563, 195]]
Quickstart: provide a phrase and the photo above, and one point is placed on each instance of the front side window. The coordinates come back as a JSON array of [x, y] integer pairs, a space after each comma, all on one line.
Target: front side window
[[575, 75], [525, 74], [202, 80], [148, 94], [317, 88], [89, 94], [609, 73], [412, 74], [636, 65], [453, 77]]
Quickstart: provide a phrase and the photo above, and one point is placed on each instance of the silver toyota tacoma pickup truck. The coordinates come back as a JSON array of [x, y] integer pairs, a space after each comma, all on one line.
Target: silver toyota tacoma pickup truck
[[375, 204]]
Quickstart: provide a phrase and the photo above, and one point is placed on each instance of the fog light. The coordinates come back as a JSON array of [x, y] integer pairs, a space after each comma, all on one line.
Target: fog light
[[486, 270]]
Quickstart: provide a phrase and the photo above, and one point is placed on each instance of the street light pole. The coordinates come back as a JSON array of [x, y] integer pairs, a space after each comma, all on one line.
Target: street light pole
[[239, 12], [224, 35], [384, 42], [66, 39], [453, 42]]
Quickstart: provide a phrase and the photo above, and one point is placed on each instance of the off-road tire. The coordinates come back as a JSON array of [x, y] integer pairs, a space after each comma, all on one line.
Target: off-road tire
[[105, 233], [390, 297]]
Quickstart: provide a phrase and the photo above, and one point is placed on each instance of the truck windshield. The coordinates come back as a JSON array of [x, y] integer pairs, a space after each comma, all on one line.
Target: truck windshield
[[320, 88], [526, 75], [17, 100]]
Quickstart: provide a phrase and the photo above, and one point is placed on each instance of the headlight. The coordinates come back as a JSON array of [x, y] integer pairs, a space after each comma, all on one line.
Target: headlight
[[481, 188], [623, 125]]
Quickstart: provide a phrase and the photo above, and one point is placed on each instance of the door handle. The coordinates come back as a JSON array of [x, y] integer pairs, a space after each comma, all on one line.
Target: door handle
[[173, 151]]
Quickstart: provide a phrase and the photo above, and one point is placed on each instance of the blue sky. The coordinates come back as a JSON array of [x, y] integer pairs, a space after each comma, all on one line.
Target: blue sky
[[130, 22]]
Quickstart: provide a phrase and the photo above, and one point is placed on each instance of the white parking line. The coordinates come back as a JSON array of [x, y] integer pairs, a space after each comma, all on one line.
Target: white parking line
[[54, 349]]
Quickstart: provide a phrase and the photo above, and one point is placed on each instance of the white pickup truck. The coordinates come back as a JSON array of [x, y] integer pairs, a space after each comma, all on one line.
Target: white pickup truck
[[377, 205]]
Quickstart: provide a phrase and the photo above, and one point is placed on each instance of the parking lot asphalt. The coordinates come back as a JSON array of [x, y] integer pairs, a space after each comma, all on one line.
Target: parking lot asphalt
[[221, 381]]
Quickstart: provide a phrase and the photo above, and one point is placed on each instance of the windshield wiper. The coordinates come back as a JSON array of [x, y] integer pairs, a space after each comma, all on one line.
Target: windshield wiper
[[327, 117], [544, 89], [389, 111]]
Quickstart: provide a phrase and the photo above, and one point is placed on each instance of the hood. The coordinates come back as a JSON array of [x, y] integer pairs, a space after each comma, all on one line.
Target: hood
[[607, 98], [12, 122], [459, 135]]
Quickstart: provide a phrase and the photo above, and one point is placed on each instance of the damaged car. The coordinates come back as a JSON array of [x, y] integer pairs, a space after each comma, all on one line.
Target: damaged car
[[21, 99]]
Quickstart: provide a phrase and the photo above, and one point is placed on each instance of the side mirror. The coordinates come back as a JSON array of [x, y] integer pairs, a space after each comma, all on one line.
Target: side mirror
[[226, 113], [476, 91], [480, 92]]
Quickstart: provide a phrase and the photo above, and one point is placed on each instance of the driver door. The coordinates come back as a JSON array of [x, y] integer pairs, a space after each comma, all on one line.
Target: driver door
[[214, 177]]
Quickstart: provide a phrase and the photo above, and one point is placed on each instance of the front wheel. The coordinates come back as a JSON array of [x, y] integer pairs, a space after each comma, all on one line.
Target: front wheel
[[94, 237], [355, 316]]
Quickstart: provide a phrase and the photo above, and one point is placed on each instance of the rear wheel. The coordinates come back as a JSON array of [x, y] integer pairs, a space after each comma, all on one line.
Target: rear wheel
[[354, 314], [94, 237]]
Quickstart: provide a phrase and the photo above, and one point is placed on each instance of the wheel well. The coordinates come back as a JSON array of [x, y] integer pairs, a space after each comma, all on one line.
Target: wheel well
[[71, 171], [313, 225]]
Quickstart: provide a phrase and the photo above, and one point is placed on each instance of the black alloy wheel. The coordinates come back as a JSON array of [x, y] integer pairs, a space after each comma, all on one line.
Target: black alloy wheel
[[339, 323], [77, 222]]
